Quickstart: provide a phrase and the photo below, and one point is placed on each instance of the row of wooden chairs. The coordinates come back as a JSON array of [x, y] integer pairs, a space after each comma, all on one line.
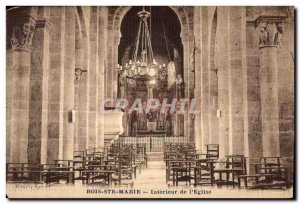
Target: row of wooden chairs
[[269, 173], [24, 172], [114, 164], [184, 164]]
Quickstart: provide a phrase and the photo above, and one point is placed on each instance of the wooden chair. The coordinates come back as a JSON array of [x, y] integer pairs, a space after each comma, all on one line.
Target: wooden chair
[[24, 172], [182, 171], [269, 173], [60, 170]]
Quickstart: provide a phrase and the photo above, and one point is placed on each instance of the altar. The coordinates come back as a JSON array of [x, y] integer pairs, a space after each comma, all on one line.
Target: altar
[[151, 126]]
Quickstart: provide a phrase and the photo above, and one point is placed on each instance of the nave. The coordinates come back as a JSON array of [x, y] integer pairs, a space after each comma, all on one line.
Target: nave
[[101, 96]]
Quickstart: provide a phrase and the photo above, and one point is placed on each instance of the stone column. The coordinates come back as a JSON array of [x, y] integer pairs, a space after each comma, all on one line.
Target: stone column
[[82, 114], [38, 102], [213, 88], [222, 60], [102, 49], [76, 107], [92, 79], [270, 30], [197, 64], [69, 77], [110, 66], [114, 82], [80, 104], [21, 40], [253, 140], [78, 74], [56, 84], [204, 76], [182, 121], [236, 81]]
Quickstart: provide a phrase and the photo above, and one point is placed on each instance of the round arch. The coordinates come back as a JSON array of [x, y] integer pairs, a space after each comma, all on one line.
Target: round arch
[[179, 11], [115, 17]]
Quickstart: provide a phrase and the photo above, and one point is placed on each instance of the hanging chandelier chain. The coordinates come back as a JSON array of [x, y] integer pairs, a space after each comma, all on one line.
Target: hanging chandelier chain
[[142, 51], [145, 38], [136, 49], [149, 43]]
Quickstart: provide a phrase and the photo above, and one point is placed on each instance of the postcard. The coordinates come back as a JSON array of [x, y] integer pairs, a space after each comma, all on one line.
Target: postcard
[[150, 102]]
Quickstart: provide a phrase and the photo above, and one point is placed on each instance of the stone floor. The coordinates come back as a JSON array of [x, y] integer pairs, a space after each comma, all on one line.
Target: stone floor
[[154, 175]]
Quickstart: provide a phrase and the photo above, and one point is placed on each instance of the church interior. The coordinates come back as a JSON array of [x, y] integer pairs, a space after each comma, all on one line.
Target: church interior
[[234, 65]]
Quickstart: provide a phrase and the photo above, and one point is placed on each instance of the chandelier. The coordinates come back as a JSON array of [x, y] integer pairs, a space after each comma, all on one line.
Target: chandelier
[[143, 64]]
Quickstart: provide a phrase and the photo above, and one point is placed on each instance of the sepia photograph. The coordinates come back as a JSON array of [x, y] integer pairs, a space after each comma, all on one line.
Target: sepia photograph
[[150, 102]]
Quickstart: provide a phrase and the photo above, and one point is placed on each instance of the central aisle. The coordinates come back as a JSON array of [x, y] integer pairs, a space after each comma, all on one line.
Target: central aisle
[[153, 175]]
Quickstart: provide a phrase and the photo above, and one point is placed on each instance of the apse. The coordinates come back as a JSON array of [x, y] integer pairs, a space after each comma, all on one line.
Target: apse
[[150, 41]]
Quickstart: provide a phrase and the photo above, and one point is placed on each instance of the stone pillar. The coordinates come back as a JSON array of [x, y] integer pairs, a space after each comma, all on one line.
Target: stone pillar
[[253, 140], [56, 85], [92, 79], [236, 81], [21, 40], [286, 91], [69, 77], [114, 82], [197, 64], [102, 49], [38, 102], [110, 64], [82, 112], [78, 74], [204, 26], [76, 107], [222, 60], [184, 130], [80, 104], [213, 88], [270, 30]]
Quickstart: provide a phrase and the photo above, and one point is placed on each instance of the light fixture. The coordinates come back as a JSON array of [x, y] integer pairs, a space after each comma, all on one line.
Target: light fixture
[[142, 63]]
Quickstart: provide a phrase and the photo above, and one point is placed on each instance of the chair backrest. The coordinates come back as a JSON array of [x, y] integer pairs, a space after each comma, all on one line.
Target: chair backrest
[[237, 161], [212, 151], [271, 161]]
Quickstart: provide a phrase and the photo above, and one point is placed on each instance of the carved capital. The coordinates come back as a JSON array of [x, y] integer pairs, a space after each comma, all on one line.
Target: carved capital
[[23, 33], [270, 30]]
